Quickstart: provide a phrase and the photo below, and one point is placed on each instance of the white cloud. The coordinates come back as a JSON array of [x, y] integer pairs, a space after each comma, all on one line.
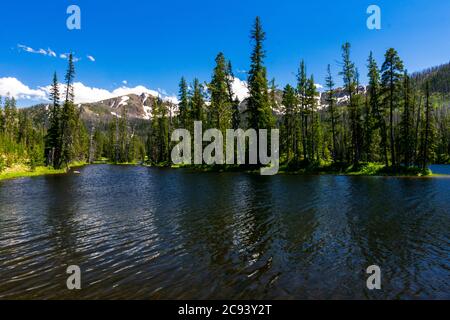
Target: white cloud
[[66, 56], [51, 53], [122, 91], [125, 82], [318, 86], [91, 58], [14, 88], [172, 99], [86, 94], [48, 52]]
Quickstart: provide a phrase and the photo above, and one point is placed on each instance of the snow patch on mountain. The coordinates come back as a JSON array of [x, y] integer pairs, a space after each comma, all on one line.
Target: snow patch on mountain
[[123, 101], [240, 89]]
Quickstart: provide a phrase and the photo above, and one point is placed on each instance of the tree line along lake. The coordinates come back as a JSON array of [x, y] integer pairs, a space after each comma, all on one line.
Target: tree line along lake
[[156, 233]]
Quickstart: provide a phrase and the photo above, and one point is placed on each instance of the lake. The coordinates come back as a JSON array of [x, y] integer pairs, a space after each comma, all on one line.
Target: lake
[[149, 233]]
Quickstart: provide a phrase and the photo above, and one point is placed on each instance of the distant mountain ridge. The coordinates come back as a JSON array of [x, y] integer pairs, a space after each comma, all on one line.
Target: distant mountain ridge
[[140, 106]]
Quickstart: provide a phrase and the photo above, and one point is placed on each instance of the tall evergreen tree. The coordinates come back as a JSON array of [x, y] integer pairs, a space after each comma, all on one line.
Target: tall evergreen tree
[[406, 124], [428, 135], [220, 106], [259, 111], [311, 102], [68, 124], [197, 101], [289, 103], [349, 75], [302, 82], [392, 71], [183, 104], [53, 137], [329, 83], [234, 101], [376, 114]]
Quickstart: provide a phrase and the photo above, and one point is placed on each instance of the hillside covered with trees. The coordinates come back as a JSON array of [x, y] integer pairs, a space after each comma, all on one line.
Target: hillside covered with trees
[[399, 123]]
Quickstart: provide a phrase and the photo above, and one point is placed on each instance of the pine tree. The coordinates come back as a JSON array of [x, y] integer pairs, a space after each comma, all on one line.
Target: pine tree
[[184, 104], [11, 120], [234, 101], [220, 106], [2, 118], [349, 75], [289, 103], [163, 125], [329, 83], [301, 91], [406, 124], [197, 102], [311, 102], [53, 137], [376, 117], [259, 112], [68, 117], [391, 70], [428, 135]]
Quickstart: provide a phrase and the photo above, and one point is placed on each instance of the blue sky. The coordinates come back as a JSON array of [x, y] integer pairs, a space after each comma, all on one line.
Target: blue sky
[[154, 43]]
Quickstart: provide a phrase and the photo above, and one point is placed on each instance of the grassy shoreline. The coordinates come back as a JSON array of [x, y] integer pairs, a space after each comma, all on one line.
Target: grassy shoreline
[[364, 170], [23, 171]]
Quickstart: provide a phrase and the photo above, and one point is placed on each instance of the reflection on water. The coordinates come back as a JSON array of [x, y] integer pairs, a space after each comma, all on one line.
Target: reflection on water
[[172, 234], [440, 169]]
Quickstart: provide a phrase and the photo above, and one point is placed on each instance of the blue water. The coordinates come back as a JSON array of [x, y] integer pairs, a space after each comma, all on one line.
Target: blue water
[[148, 233]]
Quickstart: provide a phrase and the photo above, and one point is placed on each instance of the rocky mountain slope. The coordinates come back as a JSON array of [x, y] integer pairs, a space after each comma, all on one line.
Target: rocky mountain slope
[[139, 108]]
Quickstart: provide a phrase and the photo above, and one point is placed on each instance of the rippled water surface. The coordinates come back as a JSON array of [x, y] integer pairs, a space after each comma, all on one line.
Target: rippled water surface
[[145, 233]]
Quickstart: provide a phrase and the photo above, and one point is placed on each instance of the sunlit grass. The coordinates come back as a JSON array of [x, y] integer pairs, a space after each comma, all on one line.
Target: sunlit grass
[[23, 171]]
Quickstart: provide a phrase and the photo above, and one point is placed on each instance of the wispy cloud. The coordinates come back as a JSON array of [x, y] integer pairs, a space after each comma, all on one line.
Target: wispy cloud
[[66, 56], [49, 52], [91, 58], [44, 52]]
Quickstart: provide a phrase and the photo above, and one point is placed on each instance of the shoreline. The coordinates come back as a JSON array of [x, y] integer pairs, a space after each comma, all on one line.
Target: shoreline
[[22, 171]]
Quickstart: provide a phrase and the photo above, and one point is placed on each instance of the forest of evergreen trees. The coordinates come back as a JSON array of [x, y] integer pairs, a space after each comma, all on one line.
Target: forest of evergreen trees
[[397, 120]]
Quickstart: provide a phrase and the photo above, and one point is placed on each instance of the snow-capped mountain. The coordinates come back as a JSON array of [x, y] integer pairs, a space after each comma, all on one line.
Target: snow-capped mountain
[[135, 106]]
